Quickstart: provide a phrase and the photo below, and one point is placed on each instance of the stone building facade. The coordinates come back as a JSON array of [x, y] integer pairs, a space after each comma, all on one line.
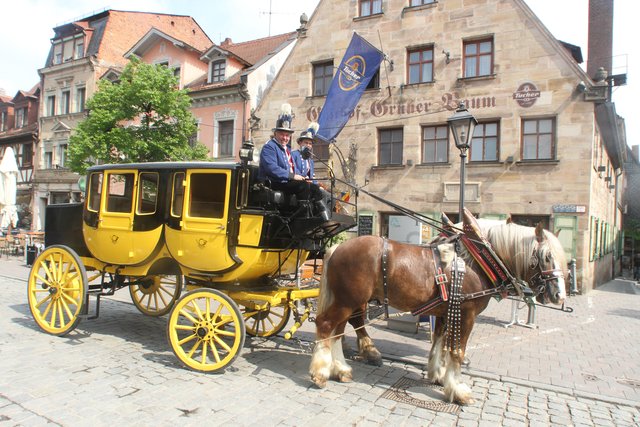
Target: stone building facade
[[548, 147]]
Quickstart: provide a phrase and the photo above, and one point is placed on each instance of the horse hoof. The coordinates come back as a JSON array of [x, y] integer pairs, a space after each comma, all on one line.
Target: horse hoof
[[319, 382], [465, 400], [345, 377]]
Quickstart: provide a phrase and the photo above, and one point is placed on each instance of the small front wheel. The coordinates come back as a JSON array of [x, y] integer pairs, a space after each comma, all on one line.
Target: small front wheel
[[155, 295], [267, 322], [57, 290], [206, 330]]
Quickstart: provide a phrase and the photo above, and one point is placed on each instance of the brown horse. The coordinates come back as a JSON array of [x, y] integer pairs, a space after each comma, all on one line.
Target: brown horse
[[353, 276]]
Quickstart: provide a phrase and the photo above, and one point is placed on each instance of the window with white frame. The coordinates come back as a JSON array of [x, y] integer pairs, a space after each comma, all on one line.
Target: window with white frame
[[62, 155], [225, 138], [21, 117], [48, 160], [217, 71], [81, 94], [79, 48], [57, 52], [65, 98], [3, 121], [51, 105]]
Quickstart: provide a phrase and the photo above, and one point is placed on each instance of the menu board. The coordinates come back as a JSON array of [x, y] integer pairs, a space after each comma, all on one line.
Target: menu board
[[365, 225]]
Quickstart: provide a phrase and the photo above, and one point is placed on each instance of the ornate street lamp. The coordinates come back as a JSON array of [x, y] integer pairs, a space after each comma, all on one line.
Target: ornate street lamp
[[462, 124]]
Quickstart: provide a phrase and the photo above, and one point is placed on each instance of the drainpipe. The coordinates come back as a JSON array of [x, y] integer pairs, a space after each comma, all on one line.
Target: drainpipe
[[615, 223], [244, 94]]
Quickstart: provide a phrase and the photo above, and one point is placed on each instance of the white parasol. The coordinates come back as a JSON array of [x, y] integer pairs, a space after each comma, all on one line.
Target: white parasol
[[8, 188]]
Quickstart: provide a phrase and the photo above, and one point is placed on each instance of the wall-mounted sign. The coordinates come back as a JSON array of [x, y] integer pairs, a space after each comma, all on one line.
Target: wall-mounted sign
[[569, 208], [365, 225], [526, 95]]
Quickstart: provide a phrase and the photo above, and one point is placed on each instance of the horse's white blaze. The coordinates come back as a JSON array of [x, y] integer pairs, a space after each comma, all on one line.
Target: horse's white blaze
[[562, 292]]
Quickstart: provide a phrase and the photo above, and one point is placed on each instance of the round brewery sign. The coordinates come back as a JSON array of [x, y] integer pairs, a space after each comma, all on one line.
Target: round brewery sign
[[526, 95]]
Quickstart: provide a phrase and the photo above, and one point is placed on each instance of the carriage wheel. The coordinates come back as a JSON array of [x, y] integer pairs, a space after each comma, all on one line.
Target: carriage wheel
[[206, 330], [57, 290], [156, 295], [268, 322]]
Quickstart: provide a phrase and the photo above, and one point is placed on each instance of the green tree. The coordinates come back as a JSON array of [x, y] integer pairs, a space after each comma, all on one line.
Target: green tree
[[141, 118]]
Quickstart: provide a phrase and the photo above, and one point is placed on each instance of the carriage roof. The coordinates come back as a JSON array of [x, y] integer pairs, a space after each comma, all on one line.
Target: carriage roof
[[166, 166]]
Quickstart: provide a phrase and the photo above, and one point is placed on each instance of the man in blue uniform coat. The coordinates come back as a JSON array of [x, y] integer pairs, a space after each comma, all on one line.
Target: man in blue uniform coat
[[277, 166]]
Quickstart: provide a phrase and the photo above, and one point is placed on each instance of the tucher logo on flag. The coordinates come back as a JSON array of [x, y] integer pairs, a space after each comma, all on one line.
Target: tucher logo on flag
[[359, 64], [352, 73]]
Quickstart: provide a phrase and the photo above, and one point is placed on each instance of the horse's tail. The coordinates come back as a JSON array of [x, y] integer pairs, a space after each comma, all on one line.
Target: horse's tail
[[326, 296]]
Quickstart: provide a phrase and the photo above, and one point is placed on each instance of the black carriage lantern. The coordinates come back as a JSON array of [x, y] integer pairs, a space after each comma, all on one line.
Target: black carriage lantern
[[462, 125], [246, 152]]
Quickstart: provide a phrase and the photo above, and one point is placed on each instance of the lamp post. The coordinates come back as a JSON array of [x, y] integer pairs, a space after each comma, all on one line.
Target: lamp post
[[462, 124]]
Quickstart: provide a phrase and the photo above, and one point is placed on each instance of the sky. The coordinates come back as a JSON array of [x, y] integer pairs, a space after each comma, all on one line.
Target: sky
[[27, 27]]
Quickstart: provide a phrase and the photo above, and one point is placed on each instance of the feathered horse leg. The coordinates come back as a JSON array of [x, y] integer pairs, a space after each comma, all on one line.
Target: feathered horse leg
[[436, 367]]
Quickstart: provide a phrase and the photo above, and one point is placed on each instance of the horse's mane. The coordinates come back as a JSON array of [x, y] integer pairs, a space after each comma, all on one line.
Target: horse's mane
[[514, 244]]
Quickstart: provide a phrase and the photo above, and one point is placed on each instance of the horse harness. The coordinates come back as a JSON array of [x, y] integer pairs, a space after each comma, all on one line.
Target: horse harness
[[488, 261]]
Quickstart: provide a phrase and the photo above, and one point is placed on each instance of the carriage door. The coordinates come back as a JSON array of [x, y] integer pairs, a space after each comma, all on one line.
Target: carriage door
[[202, 243], [111, 241]]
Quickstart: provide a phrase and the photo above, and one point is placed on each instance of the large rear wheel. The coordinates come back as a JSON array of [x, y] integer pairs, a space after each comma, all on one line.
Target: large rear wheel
[[156, 295], [57, 290], [206, 330]]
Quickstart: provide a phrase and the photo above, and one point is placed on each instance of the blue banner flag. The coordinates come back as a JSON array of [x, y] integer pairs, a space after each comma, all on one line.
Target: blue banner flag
[[358, 66]]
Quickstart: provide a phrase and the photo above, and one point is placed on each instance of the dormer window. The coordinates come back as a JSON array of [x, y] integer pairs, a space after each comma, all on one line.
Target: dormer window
[[217, 71]]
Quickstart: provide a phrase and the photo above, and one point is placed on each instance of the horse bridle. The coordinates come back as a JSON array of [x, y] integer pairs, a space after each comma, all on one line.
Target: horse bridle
[[540, 280]]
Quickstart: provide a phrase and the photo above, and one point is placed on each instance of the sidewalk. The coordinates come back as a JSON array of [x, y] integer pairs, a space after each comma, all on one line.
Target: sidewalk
[[591, 352]]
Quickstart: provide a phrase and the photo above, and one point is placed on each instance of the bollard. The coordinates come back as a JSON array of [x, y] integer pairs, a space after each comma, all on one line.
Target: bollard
[[531, 316], [574, 282]]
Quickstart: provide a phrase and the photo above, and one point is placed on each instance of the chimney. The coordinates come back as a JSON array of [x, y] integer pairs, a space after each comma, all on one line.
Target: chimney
[[600, 44], [227, 42]]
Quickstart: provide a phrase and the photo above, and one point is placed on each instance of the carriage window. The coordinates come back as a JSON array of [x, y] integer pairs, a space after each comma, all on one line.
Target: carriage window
[[120, 193], [207, 195], [178, 194], [148, 193], [95, 191]]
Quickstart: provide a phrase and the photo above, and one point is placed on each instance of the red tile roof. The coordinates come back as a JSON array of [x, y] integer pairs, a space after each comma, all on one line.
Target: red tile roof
[[253, 51]]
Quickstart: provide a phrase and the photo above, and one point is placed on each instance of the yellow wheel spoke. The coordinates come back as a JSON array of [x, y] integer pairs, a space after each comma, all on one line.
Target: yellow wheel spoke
[[54, 311], [43, 280], [204, 353], [214, 351], [222, 343], [60, 315], [159, 295], [184, 327], [194, 348], [43, 300], [64, 305], [196, 309], [188, 316], [225, 333], [46, 310], [66, 297], [187, 339]]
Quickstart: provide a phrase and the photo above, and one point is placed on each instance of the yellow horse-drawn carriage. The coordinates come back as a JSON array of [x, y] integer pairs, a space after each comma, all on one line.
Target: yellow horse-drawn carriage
[[233, 243]]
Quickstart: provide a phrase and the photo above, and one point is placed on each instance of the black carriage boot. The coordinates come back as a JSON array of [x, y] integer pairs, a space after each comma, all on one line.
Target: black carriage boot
[[305, 209], [323, 211]]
